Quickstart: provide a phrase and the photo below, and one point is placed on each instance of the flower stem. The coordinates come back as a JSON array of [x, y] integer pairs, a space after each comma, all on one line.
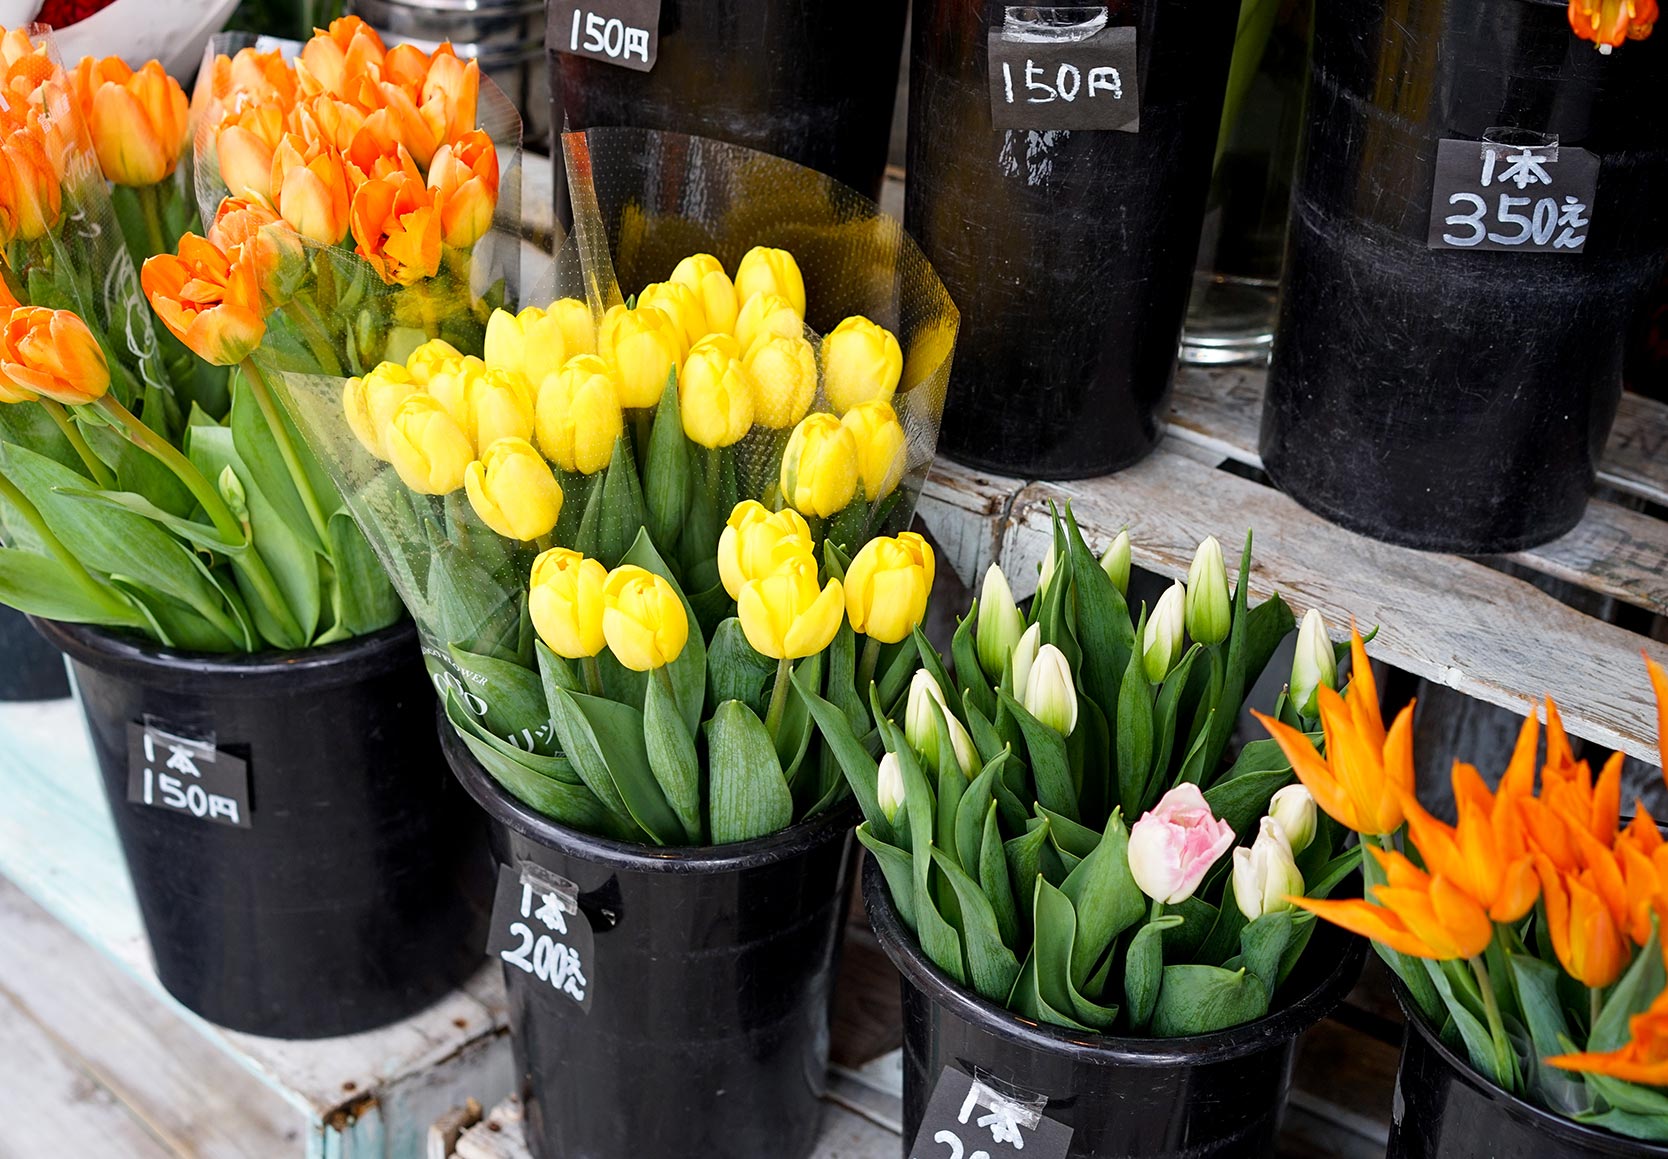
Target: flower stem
[[94, 588], [169, 456], [313, 330], [286, 448], [101, 473], [867, 664], [150, 203], [779, 697], [1595, 1005], [593, 675], [1496, 1025]]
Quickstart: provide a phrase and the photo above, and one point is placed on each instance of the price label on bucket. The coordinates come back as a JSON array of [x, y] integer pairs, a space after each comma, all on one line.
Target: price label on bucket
[[1524, 198], [1063, 68], [538, 930], [185, 774], [966, 1119], [622, 32]]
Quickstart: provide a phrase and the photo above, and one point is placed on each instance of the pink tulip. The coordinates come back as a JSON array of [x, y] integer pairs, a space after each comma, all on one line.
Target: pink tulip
[[1173, 846]]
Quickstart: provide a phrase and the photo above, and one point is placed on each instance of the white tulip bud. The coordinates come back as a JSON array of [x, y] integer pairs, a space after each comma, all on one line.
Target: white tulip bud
[[1293, 809], [1162, 646], [1266, 874], [999, 625], [1115, 563], [1025, 655], [1313, 665], [1209, 609], [1046, 576], [921, 729], [1050, 693], [890, 787], [231, 490]]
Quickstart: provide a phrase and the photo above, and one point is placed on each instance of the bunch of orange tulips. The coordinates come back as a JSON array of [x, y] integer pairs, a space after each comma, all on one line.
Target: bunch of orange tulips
[[1523, 880]]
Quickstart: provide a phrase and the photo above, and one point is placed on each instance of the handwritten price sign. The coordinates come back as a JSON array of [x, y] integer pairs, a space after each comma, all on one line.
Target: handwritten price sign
[[1523, 198], [1052, 69], [622, 32], [184, 774], [965, 1119], [538, 929]]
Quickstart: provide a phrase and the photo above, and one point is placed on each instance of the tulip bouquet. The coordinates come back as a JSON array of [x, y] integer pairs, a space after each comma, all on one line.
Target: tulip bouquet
[[996, 813], [1528, 933]]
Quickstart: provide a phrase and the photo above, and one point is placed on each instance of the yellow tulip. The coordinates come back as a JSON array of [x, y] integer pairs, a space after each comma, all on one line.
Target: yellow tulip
[[578, 417], [500, 407], [431, 358], [512, 489], [428, 449], [370, 403], [715, 393], [679, 303], [578, 327], [643, 619], [819, 466], [565, 600], [887, 586], [767, 314], [882, 449], [641, 347], [757, 543], [861, 363], [705, 274], [784, 370], [771, 271], [530, 342], [930, 349], [785, 616]]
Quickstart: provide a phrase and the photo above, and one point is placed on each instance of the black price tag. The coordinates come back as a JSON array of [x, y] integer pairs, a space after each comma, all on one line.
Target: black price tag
[[537, 928], [1063, 68], [185, 774], [623, 32], [966, 1119], [1524, 198]]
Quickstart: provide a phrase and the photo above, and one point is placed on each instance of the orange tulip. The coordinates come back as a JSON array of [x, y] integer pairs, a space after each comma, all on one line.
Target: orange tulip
[[464, 178], [1589, 941], [328, 121], [450, 93], [1417, 914], [253, 77], [209, 299], [333, 58], [137, 119], [30, 197], [376, 152], [243, 147], [1608, 23], [1643, 1060], [1361, 780], [310, 189], [397, 227], [1486, 854], [1659, 685], [266, 242], [24, 65], [406, 65], [51, 353]]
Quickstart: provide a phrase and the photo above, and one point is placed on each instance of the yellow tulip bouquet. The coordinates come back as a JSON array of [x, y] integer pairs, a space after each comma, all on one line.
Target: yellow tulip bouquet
[[630, 528]]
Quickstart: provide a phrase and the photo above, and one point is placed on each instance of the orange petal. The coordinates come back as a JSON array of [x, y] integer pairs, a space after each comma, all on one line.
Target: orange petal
[[1370, 921], [1312, 770]]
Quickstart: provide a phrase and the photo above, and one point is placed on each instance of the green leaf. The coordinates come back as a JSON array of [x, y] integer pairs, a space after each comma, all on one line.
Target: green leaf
[[734, 670], [1133, 736], [1107, 900], [1196, 999], [899, 869], [976, 690], [991, 966], [1055, 938], [793, 735], [896, 671], [604, 740], [200, 534], [842, 679], [39, 585], [985, 737], [367, 601], [666, 478], [1024, 856], [934, 664], [1653, 1128], [672, 758], [1243, 801], [1103, 622], [994, 879], [1633, 994], [622, 508], [1257, 756], [1479, 1046], [1263, 943], [971, 809], [1543, 1014], [1050, 767], [1144, 969], [861, 770], [257, 446], [1632, 1098], [689, 670], [1222, 942], [750, 798], [516, 708], [587, 540], [1068, 835], [1181, 943], [1164, 724]]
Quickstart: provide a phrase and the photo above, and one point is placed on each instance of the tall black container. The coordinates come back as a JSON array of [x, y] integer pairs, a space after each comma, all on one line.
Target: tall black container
[[1070, 253], [1200, 1097], [357, 895], [810, 80], [1445, 399], [30, 668], [710, 985]]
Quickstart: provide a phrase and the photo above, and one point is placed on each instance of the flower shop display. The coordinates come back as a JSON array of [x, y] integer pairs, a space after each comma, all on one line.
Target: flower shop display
[[640, 523], [1492, 288], [1135, 982], [1059, 162], [1524, 936], [241, 658]]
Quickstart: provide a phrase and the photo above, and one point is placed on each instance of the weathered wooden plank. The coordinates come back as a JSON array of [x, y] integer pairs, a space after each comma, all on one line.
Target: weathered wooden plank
[[1636, 458]]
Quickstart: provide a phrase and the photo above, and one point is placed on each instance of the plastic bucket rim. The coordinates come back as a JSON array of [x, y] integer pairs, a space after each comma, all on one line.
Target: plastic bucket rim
[[504, 809], [1288, 1022], [1540, 1117]]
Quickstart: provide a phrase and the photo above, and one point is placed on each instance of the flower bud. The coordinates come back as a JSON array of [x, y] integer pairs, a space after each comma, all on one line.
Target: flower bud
[[464, 177], [861, 363], [764, 314], [513, 490], [1313, 664], [578, 327], [1023, 658], [136, 119], [641, 347], [771, 271], [1115, 563], [310, 190], [889, 787], [370, 403], [1173, 846], [500, 407], [232, 491], [679, 303], [784, 372], [565, 600], [888, 585], [1045, 572], [757, 542], [426, 446], [1293, 809], [643, 619], [1162, 646], [819, 466], [999, 626], [52, 353], [882, 449], [529, 342], [578, 417], [785, 616], [1266, 874], [1050, 692], [1209, 610], [715, 393], [431, 358], [705, 274], [921, 729]]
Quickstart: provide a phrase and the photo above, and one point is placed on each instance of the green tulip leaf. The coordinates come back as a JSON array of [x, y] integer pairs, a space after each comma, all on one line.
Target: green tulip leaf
[[1243, 801], [620, 524], [734, 670], [1134, 735], [366, 601], [991, 966], [1652, 1128], [516, 708], [666, 472], [975, 803], [1024, 857], [1164, 724], [1055, 938], [1633, 994], [1222, 942], [604, 740], [1263, 943], [257, 446], [793, 735], [1196, 999], [861, 770], [1049, 764], [1479, 1045], [898, 868], [934, 665], [977, 692], [750, 798], [672, 757], [1144, 970], [1181, 943], [39, 585], [1068, 835], [898, 665], [1107, 900], [1103, 622], [994, 879], [689, 670], [1258, 756]]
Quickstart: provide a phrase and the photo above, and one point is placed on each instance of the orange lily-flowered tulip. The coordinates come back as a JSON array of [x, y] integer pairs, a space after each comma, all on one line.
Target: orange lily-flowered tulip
[[209, 299], [1416, 913], [253, 77], [52, 354], [397, 227], [137, 119], [310, 189], [1608, 23], [1659, 685], [263, 240], [30, 197], [243, 147], [1643, 1060], [1485, 854], [1366, 770], [1590, 942], [464, 177]]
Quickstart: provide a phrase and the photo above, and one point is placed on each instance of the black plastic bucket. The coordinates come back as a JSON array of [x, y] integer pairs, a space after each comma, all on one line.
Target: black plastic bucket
[[1446, 399], [710, 985], [810, 80], [357, 895], [30, 668], [1070, 254], [1218, 1094], [1445, 1110]]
